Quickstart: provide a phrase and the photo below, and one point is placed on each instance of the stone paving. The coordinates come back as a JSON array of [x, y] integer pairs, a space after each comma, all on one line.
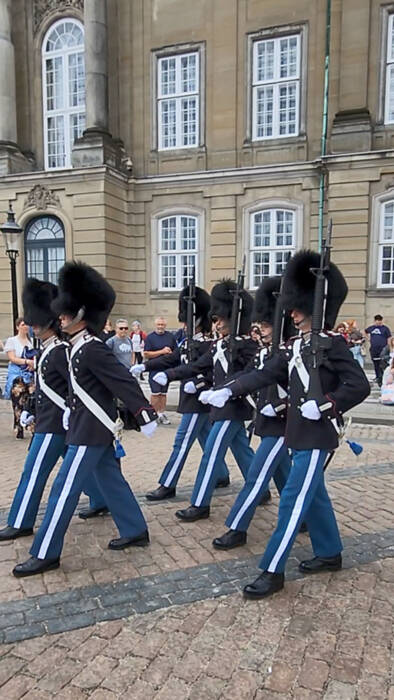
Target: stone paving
[[168, 621]]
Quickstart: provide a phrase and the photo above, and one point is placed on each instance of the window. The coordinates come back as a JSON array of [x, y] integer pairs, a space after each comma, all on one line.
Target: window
[[178, 101], [386, 246], [177, 251], [276, 87], [44, 248], [63, 91], [272, 242]]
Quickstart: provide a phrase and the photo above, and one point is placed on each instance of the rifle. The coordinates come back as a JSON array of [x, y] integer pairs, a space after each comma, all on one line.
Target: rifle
[[273, 397], [191, 316], [319, 344], [236, 312]]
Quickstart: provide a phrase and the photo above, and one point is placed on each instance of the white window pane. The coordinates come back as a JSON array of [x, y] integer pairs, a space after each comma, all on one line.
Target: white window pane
[[35, 263], [281, 259], [168, 271], [264, 111], [387, 265], [287, 109], [189, 107], [390, 94], [265, 60], [76, 80], [388, 222], [188, 73], [56, 142], [77, 127], [188, 265], [288, 57], [168, 123], [55, 262], [261, 267], [167, 76], [54, 83], [168, 233], [390, 39], [188, 233]]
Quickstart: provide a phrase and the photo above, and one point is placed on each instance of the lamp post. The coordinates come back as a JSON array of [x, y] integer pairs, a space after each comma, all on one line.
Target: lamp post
[[12, 233]]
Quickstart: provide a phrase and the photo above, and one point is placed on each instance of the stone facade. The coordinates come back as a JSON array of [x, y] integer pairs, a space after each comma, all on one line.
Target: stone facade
[[110, 201]]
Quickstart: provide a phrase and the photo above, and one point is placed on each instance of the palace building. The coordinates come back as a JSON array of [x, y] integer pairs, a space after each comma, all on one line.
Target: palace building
[[151, 137]]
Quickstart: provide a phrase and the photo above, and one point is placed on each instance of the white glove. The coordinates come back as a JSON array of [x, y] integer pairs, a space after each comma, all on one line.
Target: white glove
[[136, 370], [205, 396], [26, 419], [148, 429], [268, 411], [220, 397], [190, 388], [161, 378], [310, 410], [66, 418]]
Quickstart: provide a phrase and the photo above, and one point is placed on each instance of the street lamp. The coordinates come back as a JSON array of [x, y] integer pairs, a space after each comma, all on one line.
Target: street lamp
[[12, 233]]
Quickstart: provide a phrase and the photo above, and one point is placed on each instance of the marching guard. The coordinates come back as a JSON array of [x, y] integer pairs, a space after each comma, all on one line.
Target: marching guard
[[324, 382], [95, 377], [231, 309], [194, 306], [272, 457]]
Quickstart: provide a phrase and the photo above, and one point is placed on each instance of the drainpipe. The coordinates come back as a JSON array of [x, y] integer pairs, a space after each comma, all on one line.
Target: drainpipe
[[324, 123]]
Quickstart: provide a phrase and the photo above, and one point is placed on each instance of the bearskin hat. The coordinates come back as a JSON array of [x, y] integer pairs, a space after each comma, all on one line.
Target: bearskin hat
[[202, 303], [267, 296], [222, 295], [37, 297], [81, 286], [299, 286]]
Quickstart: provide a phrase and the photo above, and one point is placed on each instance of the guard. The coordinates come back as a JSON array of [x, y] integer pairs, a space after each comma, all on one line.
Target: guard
[[84, 303], [194, 306], [324, 382], [272, 458], [231, 309]]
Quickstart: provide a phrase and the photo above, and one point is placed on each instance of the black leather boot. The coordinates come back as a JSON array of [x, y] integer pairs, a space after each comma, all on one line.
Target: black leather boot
[[317, 564], [265, 585], [230, 539], [265, 498], [141, 540], [34, 566], [161, 493], [193, 513], [223, 483], [92, 512], [12, 533]]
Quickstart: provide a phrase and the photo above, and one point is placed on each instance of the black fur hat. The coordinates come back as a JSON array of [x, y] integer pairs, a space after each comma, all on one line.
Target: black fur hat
[[222, 303], [82, 286], [37, 297], [202, 307], [299, 286], [265, 300]]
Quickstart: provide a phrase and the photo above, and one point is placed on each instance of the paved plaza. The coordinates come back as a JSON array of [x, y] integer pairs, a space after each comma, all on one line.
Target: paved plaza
[[169, 622]]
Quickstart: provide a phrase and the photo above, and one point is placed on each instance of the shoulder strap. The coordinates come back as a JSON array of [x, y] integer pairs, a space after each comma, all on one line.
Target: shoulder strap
[[48, 391]]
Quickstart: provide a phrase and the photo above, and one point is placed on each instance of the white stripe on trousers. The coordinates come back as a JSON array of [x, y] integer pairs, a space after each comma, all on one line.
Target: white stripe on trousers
[[252, 495], [182, 449], [211, 462], [62, 499], [292, 524], [32, 479]]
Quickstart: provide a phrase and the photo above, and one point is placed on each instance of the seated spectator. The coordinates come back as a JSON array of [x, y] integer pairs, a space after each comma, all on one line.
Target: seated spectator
[[387, 391]]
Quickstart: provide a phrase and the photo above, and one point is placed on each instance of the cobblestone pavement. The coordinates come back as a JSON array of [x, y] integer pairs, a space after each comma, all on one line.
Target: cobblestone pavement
[[168, 620]]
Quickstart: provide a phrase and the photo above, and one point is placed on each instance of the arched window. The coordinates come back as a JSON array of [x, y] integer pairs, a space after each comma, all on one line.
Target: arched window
[[178, 247], [272, 242], [44, 248], [386, 246], [63, 80]]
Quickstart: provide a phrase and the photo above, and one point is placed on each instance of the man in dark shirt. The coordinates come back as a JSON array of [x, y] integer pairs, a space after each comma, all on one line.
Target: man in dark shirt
[[378, 338], [159, 342]]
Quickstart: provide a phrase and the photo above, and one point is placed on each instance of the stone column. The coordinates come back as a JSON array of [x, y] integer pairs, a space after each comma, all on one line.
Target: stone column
[[11, 159], [96, 147]]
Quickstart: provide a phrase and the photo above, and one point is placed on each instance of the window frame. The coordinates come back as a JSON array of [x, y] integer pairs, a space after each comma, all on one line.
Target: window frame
[[388, 65], [44, 244], [178, 252], [66, 111], [176, 52], [271, 249], [276, 33], [381, 244]]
